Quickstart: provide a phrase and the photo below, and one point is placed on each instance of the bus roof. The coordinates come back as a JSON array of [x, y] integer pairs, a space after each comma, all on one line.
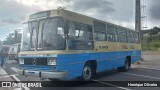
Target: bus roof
[[69, 15]]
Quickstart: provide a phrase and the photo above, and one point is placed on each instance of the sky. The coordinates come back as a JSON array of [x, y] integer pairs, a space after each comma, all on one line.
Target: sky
[[121, 12]]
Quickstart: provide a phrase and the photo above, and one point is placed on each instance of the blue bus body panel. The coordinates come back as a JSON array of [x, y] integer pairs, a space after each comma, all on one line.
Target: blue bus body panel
[[74, 63]]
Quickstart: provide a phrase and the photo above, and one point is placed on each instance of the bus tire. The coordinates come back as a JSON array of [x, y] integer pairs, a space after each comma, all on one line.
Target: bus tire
[[126, 66], [88, 72]]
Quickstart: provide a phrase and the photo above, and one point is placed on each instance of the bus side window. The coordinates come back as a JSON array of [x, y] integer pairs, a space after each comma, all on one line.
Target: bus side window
[[100, 31], [100, 36], [122, 35], [136, 37], [80, 36], [132, 37], [71, 36], [112, 33], [129, 37], [89, 33], [109, 37]]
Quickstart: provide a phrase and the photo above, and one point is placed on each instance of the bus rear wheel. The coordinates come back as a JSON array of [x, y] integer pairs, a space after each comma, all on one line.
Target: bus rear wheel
[[88, 72], [126, 66]]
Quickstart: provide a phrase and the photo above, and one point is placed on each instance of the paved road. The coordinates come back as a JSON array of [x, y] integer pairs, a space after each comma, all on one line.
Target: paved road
[[147, 70], [151, 62]]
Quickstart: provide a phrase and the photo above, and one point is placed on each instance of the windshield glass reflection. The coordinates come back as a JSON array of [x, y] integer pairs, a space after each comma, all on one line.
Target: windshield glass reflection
[[48, 35]]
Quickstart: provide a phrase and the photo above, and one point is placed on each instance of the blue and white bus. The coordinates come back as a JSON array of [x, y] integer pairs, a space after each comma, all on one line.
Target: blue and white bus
[[60, 44]]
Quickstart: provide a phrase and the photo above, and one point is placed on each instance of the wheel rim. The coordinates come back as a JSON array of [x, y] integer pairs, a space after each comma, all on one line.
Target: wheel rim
[[86, 72]]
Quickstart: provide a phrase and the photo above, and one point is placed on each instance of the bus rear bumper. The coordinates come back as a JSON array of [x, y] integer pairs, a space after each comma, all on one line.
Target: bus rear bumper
[[44, 74]]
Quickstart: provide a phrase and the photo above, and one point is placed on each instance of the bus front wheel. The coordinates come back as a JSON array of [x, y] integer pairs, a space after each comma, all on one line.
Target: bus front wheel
[[88, 72]]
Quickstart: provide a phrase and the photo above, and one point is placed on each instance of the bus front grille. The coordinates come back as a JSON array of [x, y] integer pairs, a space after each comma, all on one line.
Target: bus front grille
[[35, 61]]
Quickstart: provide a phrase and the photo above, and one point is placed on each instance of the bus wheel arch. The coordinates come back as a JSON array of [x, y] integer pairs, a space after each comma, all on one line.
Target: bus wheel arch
[[89, 69]]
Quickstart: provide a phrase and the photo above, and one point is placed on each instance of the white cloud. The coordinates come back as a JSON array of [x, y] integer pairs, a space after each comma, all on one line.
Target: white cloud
[[44, 4], [121, 12]]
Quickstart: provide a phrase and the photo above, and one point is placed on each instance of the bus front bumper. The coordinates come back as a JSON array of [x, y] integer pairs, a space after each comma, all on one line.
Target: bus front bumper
[[44, 74]]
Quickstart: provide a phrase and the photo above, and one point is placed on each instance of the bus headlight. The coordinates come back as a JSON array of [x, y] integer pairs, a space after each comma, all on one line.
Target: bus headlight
[[51, 61], [21, 61]]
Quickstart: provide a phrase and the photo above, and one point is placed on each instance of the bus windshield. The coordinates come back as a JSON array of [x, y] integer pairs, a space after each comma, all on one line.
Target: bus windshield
[[46, 34]]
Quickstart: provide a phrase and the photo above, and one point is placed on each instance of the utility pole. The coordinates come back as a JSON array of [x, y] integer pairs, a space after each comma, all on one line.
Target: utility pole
[[138, 16], [144, 14], [144, 22]]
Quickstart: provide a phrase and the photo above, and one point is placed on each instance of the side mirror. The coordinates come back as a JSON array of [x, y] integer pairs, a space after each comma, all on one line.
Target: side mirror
[[66, 27]]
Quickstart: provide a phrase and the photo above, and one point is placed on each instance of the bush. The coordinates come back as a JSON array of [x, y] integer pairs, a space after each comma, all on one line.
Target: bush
[[156, 45]]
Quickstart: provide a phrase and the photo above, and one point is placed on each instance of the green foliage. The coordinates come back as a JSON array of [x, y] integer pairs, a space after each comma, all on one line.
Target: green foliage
[[10, 39], [153, 45], [152, 32], [156, 45], [150, 39]]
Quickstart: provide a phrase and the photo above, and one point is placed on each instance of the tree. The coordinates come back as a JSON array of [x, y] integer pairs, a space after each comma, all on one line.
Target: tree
[[152, 32], [149, 39], [10, 39]]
